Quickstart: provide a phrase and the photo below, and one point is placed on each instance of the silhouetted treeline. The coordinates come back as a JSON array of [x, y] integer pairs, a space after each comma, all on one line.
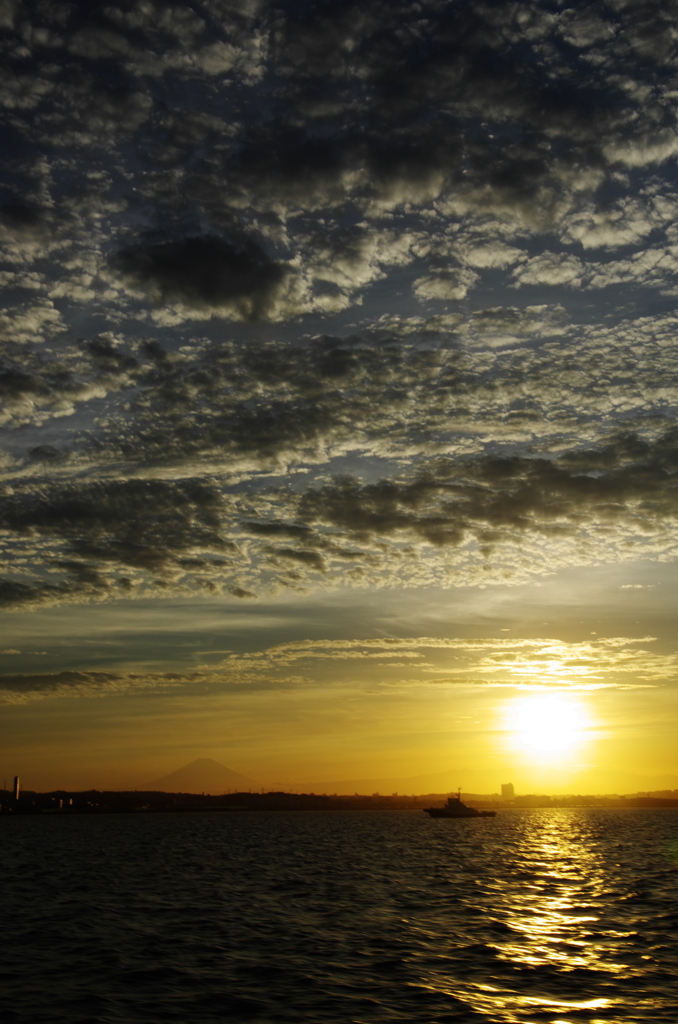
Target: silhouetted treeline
[[95, 802]]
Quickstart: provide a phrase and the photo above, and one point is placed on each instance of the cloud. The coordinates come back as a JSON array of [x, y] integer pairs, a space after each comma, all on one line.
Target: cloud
[[649, 268], [37, 385], [582, 27], [106, 539], [503, 326], [292, 184], [531, 168], [352, 259], [495, 254], [471, 520], [620, 224], [382, 663], [30, 322], [454, 284], [138, 38], [205, 272], [23, 688], [552, 269], [643, 150]]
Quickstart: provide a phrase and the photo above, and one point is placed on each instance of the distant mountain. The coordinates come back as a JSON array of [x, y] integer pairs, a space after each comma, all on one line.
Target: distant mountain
[[203, 776], [209, 776]]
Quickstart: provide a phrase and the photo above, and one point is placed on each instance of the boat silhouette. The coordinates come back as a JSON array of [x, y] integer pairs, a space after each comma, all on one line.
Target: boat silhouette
[[454, 808]]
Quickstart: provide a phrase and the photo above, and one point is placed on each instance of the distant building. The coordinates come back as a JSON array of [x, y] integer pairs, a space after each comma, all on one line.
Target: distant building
[[17, 787], [507, 791]]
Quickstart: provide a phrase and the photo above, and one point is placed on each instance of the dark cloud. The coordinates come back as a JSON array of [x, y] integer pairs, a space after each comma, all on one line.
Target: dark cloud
[[513, 112], [204, 271], [45, 453], [378, 213], [100, 533], [309, 559], [51, 683], [409, 389], [39, 384], [468, 519], [21, 688], [514, 494], [152, 511], [21, 220]]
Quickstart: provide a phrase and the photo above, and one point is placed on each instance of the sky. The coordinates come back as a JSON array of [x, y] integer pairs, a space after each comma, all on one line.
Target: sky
[[338, 383]]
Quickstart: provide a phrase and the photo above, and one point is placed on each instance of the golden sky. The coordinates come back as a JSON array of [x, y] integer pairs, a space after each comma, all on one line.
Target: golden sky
[[339, 386]]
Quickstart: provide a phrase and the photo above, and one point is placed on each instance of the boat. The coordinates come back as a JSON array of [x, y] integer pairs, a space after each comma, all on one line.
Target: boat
[[454, 808]]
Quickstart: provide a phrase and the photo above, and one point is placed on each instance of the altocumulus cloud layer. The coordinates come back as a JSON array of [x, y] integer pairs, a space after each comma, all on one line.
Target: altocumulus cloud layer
[[381, 666], [334, 294]]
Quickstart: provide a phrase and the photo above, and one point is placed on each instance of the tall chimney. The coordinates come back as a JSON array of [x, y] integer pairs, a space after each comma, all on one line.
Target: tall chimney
[[17, 787]]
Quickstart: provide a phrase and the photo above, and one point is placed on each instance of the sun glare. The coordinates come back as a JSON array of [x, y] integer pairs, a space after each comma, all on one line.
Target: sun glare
[[548, 724]]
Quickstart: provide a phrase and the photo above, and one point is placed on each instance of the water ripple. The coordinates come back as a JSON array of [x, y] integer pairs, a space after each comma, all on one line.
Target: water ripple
[[356, 918]]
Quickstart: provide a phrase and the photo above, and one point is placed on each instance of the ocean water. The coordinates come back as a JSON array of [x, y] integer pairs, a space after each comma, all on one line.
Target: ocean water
[[539, 916]]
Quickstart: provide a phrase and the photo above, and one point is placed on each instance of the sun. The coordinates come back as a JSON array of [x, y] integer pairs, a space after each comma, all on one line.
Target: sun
[[549, 724]]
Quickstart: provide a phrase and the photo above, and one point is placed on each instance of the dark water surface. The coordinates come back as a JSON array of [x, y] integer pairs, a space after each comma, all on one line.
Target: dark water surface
[[534, 916]]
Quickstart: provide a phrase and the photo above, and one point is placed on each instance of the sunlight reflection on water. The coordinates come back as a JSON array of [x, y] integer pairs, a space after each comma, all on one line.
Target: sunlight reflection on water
[[534, 917], [552, 895]]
